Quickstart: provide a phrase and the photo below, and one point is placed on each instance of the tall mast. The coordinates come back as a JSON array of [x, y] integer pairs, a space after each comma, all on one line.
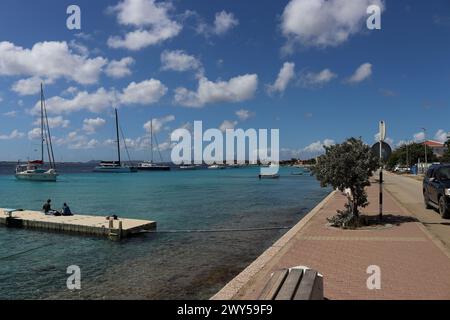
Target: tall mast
[[51, 155], [151, 138], [117, 136], [42, 123]]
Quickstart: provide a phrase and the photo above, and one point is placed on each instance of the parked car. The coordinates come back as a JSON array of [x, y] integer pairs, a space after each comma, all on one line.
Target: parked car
[[402, 169], [436, 189]]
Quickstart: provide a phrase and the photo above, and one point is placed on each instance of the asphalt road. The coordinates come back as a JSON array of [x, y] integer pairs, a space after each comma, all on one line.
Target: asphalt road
[[408, 191]]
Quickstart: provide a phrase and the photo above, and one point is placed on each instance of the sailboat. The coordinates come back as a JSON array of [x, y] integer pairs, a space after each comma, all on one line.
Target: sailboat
[[150, 165], [115, 166], [34, 170]]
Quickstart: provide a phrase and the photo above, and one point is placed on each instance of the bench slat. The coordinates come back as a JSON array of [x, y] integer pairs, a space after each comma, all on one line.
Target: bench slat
[[290, 285], [273, 286], [310, 287]]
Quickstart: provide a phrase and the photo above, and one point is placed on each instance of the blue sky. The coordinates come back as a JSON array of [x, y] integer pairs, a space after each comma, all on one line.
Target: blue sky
[[308, 67]]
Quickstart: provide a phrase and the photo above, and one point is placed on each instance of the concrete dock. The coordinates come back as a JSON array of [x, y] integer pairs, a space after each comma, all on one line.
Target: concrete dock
[[76, 224]]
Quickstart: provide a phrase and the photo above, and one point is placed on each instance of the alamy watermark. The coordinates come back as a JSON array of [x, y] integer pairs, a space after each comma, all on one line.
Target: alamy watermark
[[374, 20], [227, 148], [74, 280], [73, 22], [374, 280]]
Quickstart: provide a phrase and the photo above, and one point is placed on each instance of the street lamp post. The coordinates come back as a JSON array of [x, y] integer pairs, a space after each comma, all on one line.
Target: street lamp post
[[382, 128]]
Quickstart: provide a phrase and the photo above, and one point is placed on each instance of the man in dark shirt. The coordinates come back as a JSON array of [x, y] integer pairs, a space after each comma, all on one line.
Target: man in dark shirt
[[47, 206]]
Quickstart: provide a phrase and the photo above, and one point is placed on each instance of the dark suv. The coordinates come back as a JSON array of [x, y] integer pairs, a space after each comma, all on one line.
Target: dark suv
[[436, 189]]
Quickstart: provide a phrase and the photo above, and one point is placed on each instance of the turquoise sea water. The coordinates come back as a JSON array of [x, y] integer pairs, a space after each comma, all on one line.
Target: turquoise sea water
[[150, 266]]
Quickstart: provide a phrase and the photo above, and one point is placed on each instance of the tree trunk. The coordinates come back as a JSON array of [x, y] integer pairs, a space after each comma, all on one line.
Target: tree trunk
[[354, 205]]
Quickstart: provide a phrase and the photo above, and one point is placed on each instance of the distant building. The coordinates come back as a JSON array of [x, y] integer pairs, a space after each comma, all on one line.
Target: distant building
[[437, 147]]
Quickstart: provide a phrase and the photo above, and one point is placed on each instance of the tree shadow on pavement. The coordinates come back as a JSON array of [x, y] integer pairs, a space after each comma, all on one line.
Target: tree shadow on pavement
[[393, 219]]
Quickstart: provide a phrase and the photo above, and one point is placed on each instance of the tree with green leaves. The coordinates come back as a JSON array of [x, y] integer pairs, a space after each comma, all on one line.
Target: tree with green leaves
[[348, 165], [409, 154], [446, 157]]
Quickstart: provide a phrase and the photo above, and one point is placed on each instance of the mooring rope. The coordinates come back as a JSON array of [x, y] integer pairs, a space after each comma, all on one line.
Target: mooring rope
[[27, 251], [164, 231], [215, 230]]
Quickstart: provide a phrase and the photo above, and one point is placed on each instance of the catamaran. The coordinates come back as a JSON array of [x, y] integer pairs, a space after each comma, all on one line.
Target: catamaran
[[35, 170], [115, 166], [150, 165]]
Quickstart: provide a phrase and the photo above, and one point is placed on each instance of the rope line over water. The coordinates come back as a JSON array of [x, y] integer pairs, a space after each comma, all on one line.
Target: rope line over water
[[26, 251], [216, 230], [164, 231]]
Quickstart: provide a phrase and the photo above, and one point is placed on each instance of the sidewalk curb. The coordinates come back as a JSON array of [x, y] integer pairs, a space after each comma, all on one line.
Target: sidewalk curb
[[232, 288]]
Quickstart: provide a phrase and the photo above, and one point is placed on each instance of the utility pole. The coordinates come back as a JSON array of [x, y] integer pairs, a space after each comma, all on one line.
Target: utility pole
[[425, 144], [407, 154]]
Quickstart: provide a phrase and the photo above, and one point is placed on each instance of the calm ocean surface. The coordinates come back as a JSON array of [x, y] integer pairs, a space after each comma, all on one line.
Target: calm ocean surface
[[148, 266]]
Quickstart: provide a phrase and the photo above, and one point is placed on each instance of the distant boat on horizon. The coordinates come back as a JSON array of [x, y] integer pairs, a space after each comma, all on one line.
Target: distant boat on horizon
[[150, 165], [115, 166], [216, 167], [34, 170], [187, 167]]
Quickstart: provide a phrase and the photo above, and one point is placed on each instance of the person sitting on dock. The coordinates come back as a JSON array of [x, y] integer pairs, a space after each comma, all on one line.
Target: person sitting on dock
[[47, 206], [66, 210]]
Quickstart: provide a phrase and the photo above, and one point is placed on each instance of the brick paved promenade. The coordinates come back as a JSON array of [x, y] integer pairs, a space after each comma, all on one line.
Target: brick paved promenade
[[413, 265]]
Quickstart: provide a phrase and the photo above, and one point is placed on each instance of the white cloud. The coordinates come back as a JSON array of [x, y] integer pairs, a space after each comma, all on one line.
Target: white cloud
[[15, 134], [142, 93], [223, 22], [363, 72], [70, 91], [12, 113], [244, 115], [151, 19], [178, 60], [139, 13], [419, 136], [90, 126], [441, 135], [323, 23], [236, 89], [84, 36], [94, 102], [286, 74], [139, 39], [50, 60], [119, 68], [54, 122], [76, 141], [158, 123], [29, 86], [312, 79], [79, 48], [145, 92], [34, 134], [312, 150], [227, 124], [317, 147]]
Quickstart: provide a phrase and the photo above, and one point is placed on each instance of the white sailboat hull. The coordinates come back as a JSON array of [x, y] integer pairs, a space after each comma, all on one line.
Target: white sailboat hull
[[32, 176]]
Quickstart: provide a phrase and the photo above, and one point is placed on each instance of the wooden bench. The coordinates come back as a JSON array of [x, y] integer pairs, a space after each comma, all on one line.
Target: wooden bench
[[299, 283]]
